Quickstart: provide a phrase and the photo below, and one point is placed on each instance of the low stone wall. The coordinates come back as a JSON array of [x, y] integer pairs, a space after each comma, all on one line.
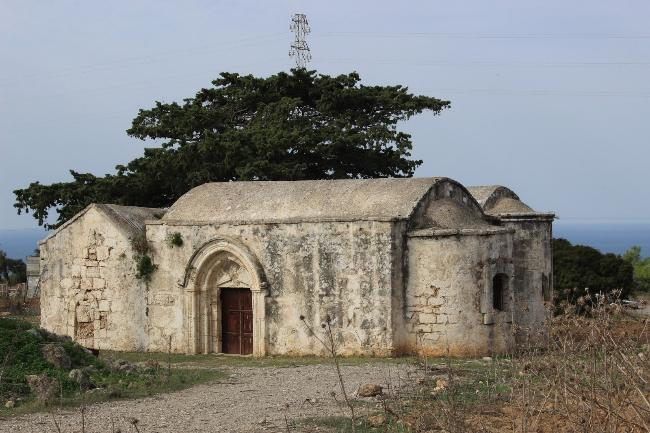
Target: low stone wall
[[13, 291]]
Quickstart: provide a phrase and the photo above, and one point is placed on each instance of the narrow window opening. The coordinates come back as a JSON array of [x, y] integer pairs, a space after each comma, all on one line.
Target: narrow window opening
[[500, 292], [546, 288]]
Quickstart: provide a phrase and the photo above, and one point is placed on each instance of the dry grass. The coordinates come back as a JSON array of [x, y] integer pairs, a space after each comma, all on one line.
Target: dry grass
[[591, 374]]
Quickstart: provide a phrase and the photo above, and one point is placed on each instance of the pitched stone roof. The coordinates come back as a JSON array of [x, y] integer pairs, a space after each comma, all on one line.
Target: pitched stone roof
[[317, 200], [129, 218]]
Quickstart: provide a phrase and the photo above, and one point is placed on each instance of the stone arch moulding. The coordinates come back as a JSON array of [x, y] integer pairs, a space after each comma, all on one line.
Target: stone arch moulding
[[83, 303], [197, 280]]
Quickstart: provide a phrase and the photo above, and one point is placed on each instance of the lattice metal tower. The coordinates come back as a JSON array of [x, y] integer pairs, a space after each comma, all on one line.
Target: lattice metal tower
[[299, 48]]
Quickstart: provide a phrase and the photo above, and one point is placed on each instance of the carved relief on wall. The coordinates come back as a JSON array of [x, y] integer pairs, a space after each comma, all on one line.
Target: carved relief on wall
[[228, 272]]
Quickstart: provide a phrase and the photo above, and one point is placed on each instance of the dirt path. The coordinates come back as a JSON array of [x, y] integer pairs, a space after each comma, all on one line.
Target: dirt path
[[251, 400]]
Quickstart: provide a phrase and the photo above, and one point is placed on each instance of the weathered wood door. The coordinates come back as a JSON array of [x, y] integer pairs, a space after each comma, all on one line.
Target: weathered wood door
[[237, 321]]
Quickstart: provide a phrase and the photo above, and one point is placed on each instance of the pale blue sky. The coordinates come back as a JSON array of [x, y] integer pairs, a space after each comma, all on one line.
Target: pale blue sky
[[551, 98]]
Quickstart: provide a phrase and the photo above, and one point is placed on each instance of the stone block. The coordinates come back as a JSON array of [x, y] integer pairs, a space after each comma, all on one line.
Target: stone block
[[422, 328], [91, 263], [99, 283], [102, 253], [67, 283], [427, 318], [431, 337]]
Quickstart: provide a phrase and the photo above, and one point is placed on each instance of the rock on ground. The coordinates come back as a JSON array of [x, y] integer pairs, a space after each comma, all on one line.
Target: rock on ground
[[251, 400], [56, 355], [369, 390]]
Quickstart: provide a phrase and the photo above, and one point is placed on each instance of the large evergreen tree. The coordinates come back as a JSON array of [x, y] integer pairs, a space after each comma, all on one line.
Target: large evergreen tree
[[289, 126]]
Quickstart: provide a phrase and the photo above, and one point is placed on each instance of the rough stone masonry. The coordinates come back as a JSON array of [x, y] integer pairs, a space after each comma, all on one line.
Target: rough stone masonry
[[417, 265]]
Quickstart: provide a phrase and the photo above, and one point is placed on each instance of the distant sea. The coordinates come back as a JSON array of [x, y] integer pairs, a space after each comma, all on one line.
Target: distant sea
[[608, 236], [20, 243]]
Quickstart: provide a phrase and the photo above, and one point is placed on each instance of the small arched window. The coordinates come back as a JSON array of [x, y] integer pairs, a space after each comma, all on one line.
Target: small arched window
[[500, 292]]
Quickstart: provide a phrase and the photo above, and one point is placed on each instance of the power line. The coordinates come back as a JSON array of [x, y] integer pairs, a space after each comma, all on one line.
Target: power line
[[299, 47], [543, 92], [485, 63], [149, 58], [443, 35]]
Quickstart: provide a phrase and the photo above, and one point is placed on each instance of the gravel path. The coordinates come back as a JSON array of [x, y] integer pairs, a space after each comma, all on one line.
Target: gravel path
[[251, 400]]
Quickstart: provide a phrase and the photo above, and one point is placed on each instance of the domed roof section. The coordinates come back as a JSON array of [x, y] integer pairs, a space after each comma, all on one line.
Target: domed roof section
[[507, 205], [486, 195], [312, 200], [448, 213], [499, 200]]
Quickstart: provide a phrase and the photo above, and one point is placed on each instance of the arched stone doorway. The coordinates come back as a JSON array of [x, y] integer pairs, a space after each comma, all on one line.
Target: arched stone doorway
[[225, 300]]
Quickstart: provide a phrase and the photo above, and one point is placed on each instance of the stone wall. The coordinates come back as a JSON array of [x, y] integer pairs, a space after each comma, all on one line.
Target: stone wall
[[33, 275], [533, 270], [88, 285], [448, 308], [340, 269]]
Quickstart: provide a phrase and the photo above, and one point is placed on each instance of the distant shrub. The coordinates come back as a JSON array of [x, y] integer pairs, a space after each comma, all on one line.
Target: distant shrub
[[641, 268], [578, 267]]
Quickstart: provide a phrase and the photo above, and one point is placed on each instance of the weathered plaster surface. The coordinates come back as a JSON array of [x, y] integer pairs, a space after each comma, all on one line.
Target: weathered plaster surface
[[533, 276], [338, 269]]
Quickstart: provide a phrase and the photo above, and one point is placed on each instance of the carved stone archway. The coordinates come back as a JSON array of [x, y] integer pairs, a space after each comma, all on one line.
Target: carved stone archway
[[221, 263]]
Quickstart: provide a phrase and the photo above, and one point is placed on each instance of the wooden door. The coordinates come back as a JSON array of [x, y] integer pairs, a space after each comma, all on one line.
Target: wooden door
[[237, 321]]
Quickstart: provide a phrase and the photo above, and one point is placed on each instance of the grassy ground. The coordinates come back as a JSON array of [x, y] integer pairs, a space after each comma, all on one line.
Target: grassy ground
[[22, 346], [131, 386], [221, 361], [34, 319]]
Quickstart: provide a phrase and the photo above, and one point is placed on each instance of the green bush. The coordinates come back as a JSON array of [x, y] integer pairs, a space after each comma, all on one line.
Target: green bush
[[579, 267], [175, 240], [145, 268], [641, 268]]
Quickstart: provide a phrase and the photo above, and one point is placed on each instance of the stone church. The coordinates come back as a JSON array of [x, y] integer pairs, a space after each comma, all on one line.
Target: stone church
[[400, 265]]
